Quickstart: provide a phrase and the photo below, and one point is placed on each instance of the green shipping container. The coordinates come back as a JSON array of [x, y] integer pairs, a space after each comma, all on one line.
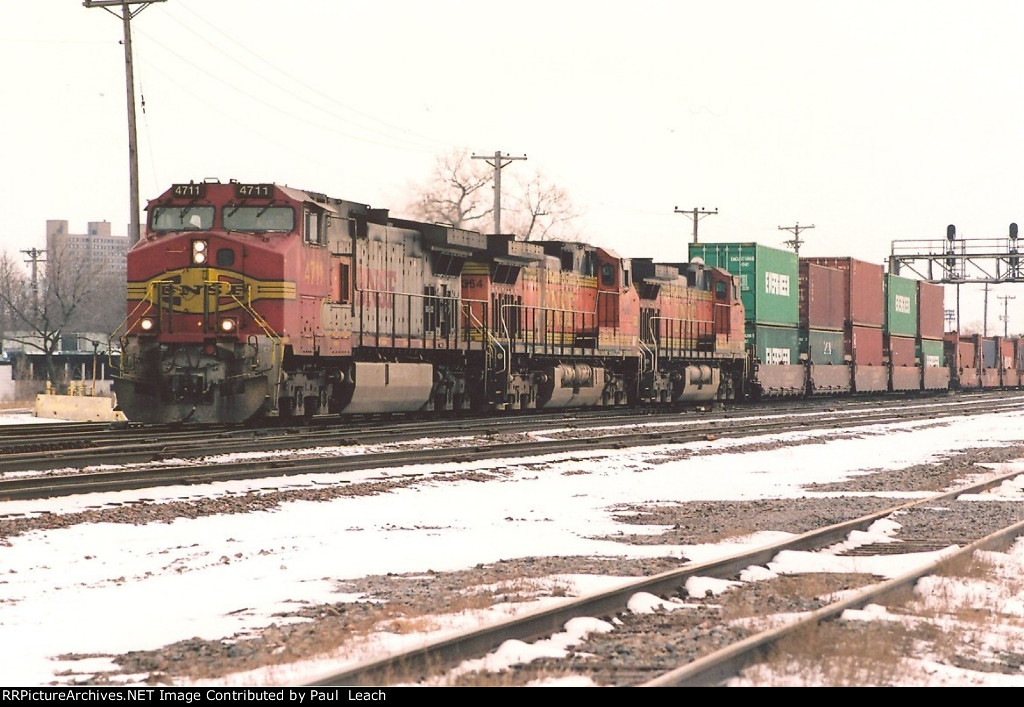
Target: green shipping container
[[774, 344], [823, 347], [930, 352], [769, 279], [900, 306]]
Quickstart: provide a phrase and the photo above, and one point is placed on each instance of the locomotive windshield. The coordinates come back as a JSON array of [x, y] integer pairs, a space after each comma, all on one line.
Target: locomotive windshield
[[178, 218], [259, 218]]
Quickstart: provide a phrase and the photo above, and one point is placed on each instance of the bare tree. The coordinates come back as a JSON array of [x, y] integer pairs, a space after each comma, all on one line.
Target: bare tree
[[70, 296], [533, 209], [455, 193], [541, 210]]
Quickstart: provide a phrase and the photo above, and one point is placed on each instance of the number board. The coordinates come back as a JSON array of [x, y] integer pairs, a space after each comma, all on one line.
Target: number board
[[247, 191], [197, 191]]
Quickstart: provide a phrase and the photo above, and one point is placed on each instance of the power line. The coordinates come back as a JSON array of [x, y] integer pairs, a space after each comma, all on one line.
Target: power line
[[696, 213]]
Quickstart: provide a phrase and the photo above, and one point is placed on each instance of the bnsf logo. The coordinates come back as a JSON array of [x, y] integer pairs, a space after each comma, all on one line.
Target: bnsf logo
[[776, 356], [901, 304], [776, 284]]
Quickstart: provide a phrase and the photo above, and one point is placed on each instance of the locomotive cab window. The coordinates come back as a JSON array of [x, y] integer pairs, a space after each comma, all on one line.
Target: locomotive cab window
[[315, 227], [178, 218], [721, 291], [607, 274], [259, 218]]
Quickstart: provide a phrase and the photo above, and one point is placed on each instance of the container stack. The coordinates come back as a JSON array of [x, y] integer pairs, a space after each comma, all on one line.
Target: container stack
[[989, 360], [962, 354], [823, 308], [901, 331], [770, 294], [865, 318], [929, 348], [1009, 372]]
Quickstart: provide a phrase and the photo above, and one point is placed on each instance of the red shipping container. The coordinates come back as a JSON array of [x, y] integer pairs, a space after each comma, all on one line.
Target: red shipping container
[[822, 297], [930, 310], [1006, 357], [864, 345], [865, 290], [902, 351]]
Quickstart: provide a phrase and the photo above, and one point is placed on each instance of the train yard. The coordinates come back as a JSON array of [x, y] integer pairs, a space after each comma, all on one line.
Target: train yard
[[662, 534]]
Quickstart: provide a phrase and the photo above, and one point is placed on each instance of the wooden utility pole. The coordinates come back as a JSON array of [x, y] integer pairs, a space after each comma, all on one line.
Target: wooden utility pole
[[35, 255], [1006, 315], [795, 241], [696, 213], [499, 162], [126, 16]]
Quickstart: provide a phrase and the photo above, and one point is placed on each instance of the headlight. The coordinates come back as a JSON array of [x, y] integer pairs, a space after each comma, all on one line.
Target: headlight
[[147, 325], [228, 326], [198, 252]]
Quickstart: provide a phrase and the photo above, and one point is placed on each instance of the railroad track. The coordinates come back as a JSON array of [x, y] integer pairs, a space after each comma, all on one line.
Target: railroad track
[[432, 661], [58, 445], [491, 442]]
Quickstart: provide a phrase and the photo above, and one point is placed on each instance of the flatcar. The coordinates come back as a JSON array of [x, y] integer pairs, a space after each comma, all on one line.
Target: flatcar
[[248, 300]]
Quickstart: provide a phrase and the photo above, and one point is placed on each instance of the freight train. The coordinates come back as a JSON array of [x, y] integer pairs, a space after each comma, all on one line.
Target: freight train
[[254, 300]]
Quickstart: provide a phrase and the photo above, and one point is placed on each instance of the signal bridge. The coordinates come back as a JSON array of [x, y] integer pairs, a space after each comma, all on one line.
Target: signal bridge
[[960, 260]]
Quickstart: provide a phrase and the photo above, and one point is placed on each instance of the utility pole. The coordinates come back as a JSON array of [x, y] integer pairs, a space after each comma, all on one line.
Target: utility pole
[[795, 242], [1006, 317], [499, 162], [696, 214], [35, 255], [984, 328], [126, 16]]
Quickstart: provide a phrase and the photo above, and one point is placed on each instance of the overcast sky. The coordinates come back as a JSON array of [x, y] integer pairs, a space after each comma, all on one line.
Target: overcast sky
[[871, 121]]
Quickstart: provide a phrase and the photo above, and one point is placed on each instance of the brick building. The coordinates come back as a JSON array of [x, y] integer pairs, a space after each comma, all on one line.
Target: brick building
[[96, 246]]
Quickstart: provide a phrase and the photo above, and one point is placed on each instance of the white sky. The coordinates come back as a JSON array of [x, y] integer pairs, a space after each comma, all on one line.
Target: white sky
[[872, 121], [105, 588]]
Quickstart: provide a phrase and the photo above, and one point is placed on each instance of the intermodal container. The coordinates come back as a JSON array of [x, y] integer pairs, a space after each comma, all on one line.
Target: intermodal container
[[769, 279], [864, 345], [989, 352], [900, 306], [902, 350], [822, 297], [961, 352], [823, 346], [774, 344], [1006, 353], [865, 290], [930, 310], [930, 351]]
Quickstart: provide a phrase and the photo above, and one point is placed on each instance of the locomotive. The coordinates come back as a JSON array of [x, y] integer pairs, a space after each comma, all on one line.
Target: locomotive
[[248, 301], [253, 300]]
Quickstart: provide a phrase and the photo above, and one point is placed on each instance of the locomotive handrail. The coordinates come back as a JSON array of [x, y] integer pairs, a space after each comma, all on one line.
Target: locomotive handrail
[[147, 300], [656, 337]]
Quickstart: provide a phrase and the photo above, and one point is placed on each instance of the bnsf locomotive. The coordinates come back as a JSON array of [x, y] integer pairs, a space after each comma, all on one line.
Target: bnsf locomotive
[[251, 300]]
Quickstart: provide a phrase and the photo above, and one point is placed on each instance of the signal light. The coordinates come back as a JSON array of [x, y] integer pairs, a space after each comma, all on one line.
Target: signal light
[[198, 252]]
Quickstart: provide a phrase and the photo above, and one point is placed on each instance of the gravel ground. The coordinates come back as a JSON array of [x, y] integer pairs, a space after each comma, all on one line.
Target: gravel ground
[[612, 659]]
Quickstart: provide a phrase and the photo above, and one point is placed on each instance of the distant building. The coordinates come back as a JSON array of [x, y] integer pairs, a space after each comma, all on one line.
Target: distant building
[[96, 247]]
